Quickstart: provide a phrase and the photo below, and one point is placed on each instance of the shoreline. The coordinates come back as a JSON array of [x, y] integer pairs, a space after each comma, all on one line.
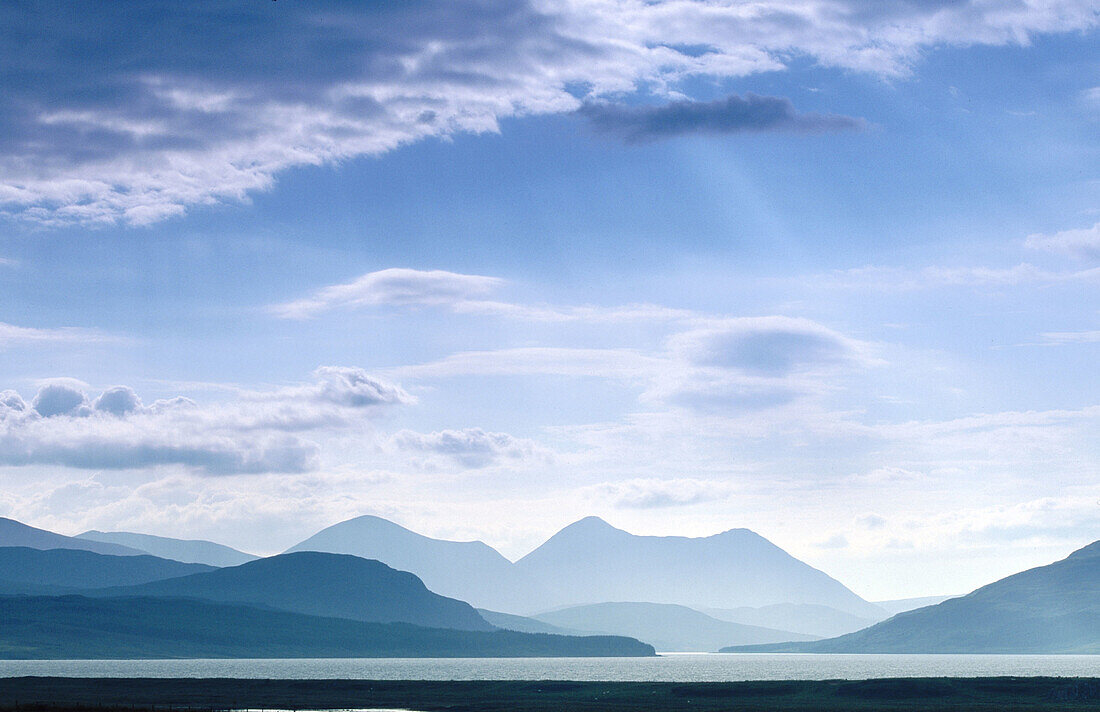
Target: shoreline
[[934, 694]]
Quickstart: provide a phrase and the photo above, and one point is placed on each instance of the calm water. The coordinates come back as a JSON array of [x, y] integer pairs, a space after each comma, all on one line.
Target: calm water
[[671, 667]]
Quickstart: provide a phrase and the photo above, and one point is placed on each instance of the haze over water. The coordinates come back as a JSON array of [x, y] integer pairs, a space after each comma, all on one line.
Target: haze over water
[[693, 667]]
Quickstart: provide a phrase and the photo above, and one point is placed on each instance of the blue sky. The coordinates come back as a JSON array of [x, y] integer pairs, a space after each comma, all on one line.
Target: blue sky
[[825, 270]]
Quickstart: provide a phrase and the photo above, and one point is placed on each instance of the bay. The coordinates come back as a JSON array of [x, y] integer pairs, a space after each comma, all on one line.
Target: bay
[[686, 667]]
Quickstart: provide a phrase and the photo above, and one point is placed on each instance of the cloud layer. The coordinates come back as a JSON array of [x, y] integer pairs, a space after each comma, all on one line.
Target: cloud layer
[[256, 433], [135, 111]]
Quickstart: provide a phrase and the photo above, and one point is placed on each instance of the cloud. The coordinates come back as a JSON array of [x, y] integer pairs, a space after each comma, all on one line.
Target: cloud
[[734, 114], [901, 279], [459, 293], [471, 447], [392, 287], [620, 364], [1061, 338], [12, 335], [1083, 243], [260, 431], [135, 112], [767, 346], [658, 493]]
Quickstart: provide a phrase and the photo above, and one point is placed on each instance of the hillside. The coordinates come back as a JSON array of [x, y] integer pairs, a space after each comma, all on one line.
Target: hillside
[[13, 533], [592, 562], [75, 627], [333, 585], [1048, 609], [191, 551], [39, 570], [667, 627], [805, 618], [468, 570]]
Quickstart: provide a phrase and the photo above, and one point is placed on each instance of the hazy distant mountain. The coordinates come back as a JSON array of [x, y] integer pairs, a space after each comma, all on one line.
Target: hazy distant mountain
[[76, 627], [1049, 609], [524, 624], [590, 562], [319, 584], [13, 533], [193, 551], [33, 571], [807, 618], [471, 571], [901, 605], [667, 627]]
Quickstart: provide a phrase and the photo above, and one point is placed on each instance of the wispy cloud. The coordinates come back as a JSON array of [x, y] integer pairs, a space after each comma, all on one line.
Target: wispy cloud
[[151, 121], [458, 293], [732, 115], [1083, 243], [652, 493], [12, 335]]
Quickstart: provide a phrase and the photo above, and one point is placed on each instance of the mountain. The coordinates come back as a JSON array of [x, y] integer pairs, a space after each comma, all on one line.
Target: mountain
[[806, 618], [591, 562], [1048, 609], [192, 551], [25, 570], [469, 570], [318, 584], [901, 605], [76, 627], [13, 533], [666, 627], [523, 624]]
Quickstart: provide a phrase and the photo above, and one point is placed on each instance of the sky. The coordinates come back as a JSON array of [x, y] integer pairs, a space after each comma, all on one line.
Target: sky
[[825, 269]]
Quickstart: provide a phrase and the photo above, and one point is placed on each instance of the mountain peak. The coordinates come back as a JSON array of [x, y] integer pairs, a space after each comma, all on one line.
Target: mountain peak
[[1092, 549]]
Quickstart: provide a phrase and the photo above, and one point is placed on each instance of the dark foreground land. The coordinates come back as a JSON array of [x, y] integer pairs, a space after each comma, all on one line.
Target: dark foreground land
[[40, 694]]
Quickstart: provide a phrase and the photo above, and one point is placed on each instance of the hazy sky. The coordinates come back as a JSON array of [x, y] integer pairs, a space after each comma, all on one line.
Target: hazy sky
[[826, 269]]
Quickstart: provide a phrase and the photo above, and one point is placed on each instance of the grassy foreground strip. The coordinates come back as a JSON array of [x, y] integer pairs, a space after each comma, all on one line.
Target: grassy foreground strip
[[912, 694]]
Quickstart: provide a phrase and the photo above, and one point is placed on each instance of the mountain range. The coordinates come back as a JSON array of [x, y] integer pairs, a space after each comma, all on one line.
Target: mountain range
[[26, 570], [13, 533], [592, 562], [191, 551], [668, 627], [1047, 609]]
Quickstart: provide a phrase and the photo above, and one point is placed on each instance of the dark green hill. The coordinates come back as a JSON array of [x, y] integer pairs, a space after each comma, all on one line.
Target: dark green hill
[[77, 627], [26, 570], [1048, 609], [334, 585]]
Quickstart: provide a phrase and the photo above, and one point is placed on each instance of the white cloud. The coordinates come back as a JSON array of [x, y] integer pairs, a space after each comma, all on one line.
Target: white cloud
[[12, 335], [1061, 338], [392, 287], [901, 279], [1083, 243], [95, 139], [652, 493], [471, 447], [459, 293], [259, 432]]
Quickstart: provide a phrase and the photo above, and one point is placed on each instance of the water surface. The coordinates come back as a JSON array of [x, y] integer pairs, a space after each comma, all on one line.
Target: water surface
[[694, 667]]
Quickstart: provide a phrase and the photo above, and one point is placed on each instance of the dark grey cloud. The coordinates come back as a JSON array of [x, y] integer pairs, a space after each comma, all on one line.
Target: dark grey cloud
[[732, 115]]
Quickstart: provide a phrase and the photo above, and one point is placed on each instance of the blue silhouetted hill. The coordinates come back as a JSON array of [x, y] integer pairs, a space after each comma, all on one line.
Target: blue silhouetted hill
[[1048, 609], [320, 584], [13, 533], [26, 570], [468, 570], [591, 561], [77, 627], [191, 551], [668, 627]]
